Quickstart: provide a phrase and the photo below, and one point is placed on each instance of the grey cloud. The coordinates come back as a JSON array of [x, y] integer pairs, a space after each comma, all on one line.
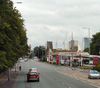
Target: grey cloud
[[56, 19]]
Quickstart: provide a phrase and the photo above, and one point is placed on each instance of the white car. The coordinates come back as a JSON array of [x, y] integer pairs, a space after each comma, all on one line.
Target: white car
[[94, 74]]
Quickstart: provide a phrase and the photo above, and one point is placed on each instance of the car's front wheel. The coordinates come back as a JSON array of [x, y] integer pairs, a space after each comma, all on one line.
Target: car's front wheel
[[89, 77]]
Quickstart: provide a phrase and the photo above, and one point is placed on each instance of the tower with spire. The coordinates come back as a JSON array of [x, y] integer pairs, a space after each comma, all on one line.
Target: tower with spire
[[73, 44]]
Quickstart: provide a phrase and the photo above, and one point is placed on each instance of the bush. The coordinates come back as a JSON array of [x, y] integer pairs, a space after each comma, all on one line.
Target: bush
[[86, 67], [97, 67], [75, 64]]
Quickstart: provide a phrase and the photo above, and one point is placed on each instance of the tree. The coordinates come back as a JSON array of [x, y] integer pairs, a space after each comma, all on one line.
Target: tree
[[86, 50], [95, 45], [13, 40], [40, 52], [36, 51], [97, 67]]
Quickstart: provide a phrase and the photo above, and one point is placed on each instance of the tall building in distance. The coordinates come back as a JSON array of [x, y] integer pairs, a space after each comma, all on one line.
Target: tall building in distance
[[49, 45], [87, 42], [73, 45]]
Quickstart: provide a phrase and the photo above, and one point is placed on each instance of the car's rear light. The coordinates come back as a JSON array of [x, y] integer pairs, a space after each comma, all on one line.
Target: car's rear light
[[37, 76]]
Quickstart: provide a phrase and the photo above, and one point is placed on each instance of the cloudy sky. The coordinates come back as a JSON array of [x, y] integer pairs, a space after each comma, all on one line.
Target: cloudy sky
[[55, 20]]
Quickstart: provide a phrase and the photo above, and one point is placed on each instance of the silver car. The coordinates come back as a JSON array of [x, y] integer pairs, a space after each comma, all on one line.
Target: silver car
[[94, 74]]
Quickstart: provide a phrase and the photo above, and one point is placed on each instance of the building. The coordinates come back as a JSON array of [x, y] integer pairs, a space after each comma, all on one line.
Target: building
[[73, 45], [49, 51], [49, 45], [87, 42]]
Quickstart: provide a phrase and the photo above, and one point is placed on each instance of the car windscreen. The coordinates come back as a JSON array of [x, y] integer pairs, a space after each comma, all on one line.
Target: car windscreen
[[33, 73], [94, 72]]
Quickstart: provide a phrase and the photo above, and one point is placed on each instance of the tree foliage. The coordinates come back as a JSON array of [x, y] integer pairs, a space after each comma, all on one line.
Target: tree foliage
[[97, 67], [95, 45], [13, 40], [40, 52], [86, 50]]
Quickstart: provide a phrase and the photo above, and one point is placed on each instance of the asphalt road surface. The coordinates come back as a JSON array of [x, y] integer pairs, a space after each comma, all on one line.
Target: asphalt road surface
[[49, 77]]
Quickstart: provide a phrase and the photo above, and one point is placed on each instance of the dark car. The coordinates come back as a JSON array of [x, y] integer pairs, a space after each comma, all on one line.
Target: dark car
[[33, 75]]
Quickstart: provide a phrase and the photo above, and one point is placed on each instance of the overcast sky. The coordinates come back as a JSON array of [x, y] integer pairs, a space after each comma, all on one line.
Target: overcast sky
[[55, 20]]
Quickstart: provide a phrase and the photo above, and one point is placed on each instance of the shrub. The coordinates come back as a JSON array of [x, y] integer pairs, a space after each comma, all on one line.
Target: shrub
[[86, 67], [97, 67]]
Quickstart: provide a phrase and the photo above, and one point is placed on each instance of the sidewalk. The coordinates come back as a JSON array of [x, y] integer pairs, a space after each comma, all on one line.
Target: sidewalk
[[4, 83], [79, 75]]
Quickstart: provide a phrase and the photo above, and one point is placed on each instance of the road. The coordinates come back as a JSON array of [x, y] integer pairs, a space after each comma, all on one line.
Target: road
[[49, 77]]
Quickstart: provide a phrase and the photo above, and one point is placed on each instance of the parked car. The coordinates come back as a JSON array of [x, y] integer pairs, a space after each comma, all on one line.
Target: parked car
[[94, 74], [33, 75]]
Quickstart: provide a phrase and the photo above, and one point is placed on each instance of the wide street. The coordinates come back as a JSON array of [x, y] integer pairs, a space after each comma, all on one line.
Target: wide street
[[49, 77]]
